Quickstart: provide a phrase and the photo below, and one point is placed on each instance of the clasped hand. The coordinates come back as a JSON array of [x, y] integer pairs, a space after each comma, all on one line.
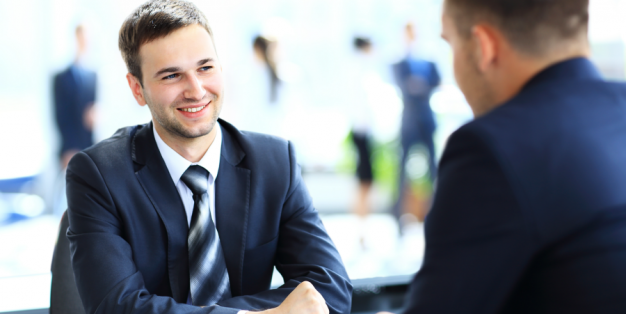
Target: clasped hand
[[302, 300]]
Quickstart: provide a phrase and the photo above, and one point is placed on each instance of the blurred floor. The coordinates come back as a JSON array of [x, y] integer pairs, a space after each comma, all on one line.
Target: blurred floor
[[381, 253], [26, 246], [26, 249]]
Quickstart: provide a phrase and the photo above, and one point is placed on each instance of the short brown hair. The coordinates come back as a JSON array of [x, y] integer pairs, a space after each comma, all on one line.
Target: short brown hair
[[152, 20], [530, 25]]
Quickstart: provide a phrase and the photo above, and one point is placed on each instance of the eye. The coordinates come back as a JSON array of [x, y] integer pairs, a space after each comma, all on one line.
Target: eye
[[206, 68], [171, 76]]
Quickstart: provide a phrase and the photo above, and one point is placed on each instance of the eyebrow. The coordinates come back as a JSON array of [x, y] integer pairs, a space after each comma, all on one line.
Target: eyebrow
[[167, 70], [204, 61], [176, 69]]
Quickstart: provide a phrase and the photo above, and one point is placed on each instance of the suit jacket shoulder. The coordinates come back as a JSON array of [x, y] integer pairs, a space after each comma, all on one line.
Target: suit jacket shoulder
[[563, 137], [253, 142], [117, 150], [266, 155]]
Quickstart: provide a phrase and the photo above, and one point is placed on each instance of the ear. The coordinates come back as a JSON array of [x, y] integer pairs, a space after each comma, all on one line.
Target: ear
[[136, 89], [486, 46]]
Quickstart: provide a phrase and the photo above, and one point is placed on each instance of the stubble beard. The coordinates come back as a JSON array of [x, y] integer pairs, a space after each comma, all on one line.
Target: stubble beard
[[175, 128]]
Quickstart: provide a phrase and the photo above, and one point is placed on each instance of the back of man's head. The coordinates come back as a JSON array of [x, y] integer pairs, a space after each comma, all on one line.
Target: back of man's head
[[533, 27], [152, 20]]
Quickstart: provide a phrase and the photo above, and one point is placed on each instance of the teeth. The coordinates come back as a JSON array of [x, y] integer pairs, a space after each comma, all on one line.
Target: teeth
[[193, 109]]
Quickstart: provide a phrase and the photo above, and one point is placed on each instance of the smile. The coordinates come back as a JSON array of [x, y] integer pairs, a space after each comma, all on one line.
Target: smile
[[193, 109]]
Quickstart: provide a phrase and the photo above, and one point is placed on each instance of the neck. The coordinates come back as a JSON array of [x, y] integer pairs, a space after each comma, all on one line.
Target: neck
[[519, 69], [192, 149], [79, 56]]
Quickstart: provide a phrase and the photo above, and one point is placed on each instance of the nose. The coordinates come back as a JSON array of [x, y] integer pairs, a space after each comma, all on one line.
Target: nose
[[194, 89]]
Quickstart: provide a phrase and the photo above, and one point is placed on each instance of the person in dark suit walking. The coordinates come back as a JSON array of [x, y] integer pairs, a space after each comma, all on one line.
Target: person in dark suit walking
[[529, 214], [416, 78], [187, 214], [74, 97]]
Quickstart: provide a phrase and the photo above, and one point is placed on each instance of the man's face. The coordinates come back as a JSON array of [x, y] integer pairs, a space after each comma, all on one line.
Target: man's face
[[470, 79], [182, 82]]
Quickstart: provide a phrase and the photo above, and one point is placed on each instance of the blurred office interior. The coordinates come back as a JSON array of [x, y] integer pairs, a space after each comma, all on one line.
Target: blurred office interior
[[303, 89]]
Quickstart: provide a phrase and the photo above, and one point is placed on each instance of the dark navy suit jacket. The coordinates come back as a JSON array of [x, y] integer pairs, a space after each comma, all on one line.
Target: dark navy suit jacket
[[128, 229], [529, 215], [74, 91], [417, 79]]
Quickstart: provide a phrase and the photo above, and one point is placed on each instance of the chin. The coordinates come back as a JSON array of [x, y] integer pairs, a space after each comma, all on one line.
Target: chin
[[198, 133], [204, 129], [190, 132]]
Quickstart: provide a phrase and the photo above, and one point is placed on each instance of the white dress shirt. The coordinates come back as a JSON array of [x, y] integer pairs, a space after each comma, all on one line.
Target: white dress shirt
[[177, 165]]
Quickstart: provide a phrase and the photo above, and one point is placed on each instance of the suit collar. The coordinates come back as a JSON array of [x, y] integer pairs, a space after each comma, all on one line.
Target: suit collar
[[232, 204], [577, 68], [154, 177], [231, 148]]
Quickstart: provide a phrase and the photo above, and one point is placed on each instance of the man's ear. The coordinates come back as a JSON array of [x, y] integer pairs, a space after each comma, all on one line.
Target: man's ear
[[486, 46], [136, 89]]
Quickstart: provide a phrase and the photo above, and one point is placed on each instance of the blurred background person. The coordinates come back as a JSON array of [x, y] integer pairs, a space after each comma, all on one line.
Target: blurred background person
[[74, 98], [416, 78], [362, 115], [263, 106], [265, 52], [74, 103]]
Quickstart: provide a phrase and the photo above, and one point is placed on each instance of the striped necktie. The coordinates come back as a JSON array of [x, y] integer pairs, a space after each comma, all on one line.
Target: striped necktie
[[208, 277]]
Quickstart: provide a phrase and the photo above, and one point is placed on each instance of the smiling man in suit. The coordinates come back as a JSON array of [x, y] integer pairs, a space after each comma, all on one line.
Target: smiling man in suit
[[529, 215], [187, 214]]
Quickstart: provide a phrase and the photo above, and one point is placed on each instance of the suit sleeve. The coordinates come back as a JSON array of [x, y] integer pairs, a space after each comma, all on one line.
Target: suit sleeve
[[305, 253], [478, 242], [107, 279]]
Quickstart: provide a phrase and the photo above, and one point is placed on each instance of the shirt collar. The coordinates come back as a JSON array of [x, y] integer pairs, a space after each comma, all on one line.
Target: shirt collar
[[177, 164]]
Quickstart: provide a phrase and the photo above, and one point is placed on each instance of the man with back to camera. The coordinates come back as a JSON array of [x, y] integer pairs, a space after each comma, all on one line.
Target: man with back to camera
[[529, 215], [187, 214]]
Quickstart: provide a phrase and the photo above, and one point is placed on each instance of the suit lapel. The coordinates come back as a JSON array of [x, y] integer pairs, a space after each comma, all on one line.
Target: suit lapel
[[232, 200], [157, 183]]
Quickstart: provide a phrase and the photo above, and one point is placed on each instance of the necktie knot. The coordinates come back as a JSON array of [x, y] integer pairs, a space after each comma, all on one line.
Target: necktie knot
[[196, 179]]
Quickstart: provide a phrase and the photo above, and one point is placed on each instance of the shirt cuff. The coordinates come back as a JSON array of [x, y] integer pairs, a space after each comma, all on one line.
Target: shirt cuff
[[242, 312]]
